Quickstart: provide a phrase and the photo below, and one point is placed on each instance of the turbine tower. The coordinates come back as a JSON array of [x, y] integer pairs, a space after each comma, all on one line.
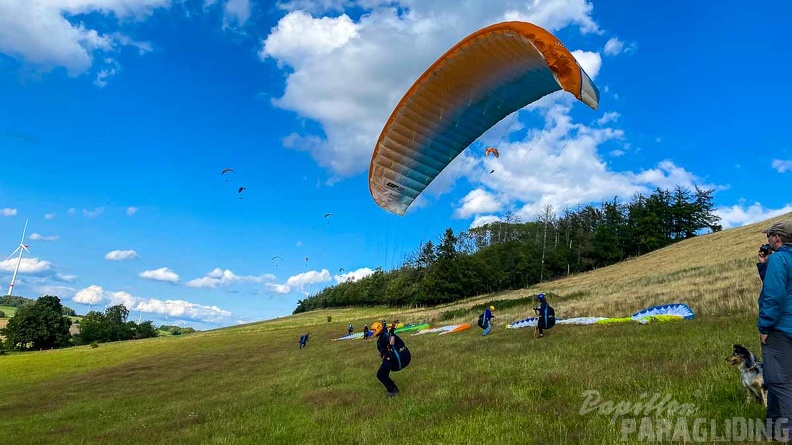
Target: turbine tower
[[21, 249]]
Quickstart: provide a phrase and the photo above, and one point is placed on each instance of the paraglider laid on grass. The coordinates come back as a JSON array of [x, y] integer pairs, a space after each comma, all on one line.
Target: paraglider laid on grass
[[662, 313], [482, 79]]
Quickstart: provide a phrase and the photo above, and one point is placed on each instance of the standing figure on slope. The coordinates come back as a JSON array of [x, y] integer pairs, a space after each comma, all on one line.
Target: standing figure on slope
[[394, 354]]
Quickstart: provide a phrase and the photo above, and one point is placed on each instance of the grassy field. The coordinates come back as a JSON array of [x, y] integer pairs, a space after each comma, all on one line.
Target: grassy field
[[9, 311], [251, 384]]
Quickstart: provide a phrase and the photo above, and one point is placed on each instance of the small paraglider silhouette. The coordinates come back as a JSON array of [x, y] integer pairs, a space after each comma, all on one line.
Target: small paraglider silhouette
[[241, 189], [340, 270], [492, 171], [492, 150], [226, 170], [327, 215], [278, 257]]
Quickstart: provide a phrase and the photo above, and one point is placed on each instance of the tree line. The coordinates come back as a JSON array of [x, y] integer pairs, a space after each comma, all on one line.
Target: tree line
[[44, 324], [511, 254]]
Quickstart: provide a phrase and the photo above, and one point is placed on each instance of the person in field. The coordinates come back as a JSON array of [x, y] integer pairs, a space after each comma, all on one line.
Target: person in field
[[394, 355]]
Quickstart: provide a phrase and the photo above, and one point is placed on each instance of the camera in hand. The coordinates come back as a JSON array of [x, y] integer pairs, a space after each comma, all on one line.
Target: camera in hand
[[764, 249]]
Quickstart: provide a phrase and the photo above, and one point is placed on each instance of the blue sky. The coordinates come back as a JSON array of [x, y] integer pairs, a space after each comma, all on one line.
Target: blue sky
[[118, 116]]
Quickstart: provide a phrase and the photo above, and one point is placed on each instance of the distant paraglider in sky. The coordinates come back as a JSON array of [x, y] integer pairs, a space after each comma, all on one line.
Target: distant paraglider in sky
[[492, 150], [241, 189], [277, 257], [487, 76], [326, 216], [227, 170]]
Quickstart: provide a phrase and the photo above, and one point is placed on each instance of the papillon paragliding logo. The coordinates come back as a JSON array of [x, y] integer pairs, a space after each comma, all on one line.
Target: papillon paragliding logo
[[487, 76]]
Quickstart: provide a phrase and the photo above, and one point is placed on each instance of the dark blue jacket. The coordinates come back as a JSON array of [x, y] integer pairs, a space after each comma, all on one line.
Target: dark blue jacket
[[775, 299], [488, 315]]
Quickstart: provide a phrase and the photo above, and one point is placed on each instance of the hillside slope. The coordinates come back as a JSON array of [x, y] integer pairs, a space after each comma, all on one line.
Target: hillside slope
[[714, 274], [251, 384]]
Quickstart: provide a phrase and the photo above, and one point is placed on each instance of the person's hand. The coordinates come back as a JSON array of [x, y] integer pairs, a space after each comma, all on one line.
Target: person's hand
[[763, 338], [761, 257]]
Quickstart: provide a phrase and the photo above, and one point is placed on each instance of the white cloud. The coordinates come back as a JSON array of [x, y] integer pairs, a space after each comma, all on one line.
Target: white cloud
[[319, 6], [298, 37], [48, 289], [614, 47], [173, 308], [220, 277], [348, 75], [483, 220], [299, 243], [28, 266], [93, 213], [308, 278], [64, 278], [299, 281], [236, 12], [131, 210], [111, 68], [782, 166], [476, 202], [741, 215], [49, 216], [121, 255], [72, 212], [590, 61], [353, 275], [278, 288], [8, 212], [38, 237], [608, 117], [45, 33], [161, 274], [561, 165]]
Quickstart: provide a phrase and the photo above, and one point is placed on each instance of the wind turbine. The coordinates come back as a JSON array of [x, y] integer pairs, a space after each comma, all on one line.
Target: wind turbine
[[21, 249]]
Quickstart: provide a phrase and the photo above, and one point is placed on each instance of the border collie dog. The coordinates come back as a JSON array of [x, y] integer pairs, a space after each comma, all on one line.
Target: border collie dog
[[750, 373]]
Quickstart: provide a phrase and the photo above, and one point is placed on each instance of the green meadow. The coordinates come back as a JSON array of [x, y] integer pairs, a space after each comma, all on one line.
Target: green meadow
[[251, 384]]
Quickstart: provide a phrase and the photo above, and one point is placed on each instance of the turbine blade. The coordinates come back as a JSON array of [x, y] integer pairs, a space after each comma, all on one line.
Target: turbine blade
[[13, 253], [23, 233]]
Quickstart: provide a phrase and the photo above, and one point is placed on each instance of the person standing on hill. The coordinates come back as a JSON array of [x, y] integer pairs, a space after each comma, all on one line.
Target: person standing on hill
[[303, 340], [488, 316], [775, 327], [365, 332], [394, 354], [545, 316], [350, 328]]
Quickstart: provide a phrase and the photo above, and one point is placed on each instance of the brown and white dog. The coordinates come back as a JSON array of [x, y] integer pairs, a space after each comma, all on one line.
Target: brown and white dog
[[751, 373]]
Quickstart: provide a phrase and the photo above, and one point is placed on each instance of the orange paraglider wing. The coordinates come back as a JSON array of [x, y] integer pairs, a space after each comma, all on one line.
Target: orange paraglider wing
[[482, 79]]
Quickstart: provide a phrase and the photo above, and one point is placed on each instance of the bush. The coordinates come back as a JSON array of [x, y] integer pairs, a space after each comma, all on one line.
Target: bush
[[329, 319], [2, 314], [94, 344]]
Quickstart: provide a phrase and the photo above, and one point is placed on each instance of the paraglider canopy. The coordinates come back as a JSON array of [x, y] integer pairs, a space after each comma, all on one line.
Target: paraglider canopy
[[492, 150], [482, 79], [226, 170]]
